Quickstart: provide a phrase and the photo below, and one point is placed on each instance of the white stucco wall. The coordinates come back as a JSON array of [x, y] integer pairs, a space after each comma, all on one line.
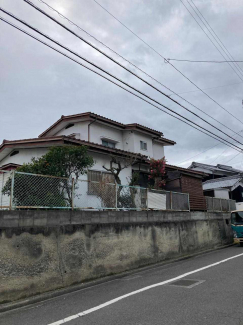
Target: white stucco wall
[[79, 127], [124, 139], [128, 141], [146, 138], [98, 131], [24, 156], [158, 150], [221, 193]]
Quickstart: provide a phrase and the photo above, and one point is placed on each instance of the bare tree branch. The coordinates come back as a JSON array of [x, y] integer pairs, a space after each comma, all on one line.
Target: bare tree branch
[[121, 163]]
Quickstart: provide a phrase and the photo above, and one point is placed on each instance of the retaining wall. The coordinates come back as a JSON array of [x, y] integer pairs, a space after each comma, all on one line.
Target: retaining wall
[[46, 250]]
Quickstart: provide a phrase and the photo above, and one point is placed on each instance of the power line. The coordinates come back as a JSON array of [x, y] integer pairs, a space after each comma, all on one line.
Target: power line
[[112, 59], [229, 54], [206, 151], [232, 158], [232, 67], [111, 75], [181, 119], [83, 30], [167, 61], [195, 61], [200, 153], [192, 91], [220, 154]]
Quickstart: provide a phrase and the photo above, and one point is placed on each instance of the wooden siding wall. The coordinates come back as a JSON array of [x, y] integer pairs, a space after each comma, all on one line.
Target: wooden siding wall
[[193, 186], [173, 185]]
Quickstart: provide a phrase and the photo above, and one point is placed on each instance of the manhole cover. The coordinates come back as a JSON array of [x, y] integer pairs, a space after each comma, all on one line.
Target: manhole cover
[[186, 283]]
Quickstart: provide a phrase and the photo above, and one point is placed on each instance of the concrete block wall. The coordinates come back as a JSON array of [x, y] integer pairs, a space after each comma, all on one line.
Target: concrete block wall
[[47, 250]]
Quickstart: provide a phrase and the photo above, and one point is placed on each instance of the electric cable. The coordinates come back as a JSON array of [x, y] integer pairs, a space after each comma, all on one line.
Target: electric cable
[[232, 67], [165, 60], [103, 44], [88, 68], [198, 61], [229, 54], [192, 91], [113, 60], [105, 71]]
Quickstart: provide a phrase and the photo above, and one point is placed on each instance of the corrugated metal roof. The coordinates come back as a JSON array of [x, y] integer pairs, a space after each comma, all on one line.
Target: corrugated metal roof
[[221, 182]]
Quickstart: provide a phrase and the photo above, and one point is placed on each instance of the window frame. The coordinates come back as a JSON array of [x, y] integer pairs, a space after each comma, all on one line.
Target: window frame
[[143, 145], [101, 174], [110, 144]]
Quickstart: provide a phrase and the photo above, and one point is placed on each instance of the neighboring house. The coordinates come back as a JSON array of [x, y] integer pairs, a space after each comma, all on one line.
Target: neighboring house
[[214, 172], [230, 187], [222, 181], [187, 181], [103, 137]]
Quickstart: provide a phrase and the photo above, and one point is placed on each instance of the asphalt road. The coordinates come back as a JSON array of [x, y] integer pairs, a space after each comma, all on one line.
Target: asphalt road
[[218, 299]]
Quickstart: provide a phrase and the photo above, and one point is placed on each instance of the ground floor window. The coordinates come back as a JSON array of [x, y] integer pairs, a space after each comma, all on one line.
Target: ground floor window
[[97, 176]]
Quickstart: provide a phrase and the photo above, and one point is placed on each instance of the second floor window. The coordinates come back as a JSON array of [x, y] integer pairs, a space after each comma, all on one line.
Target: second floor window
[[108, 144], [143, 145]]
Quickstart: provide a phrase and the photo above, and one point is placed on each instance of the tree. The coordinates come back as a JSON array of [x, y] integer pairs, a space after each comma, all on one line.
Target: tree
[[118, 164], [125, 196], [157, 172], [63, 162]]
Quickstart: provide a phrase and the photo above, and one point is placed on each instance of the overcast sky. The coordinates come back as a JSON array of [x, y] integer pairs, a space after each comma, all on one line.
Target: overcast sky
[[38, 85]]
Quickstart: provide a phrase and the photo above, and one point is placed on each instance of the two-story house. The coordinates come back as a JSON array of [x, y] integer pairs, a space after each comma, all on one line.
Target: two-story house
[[103, 137]]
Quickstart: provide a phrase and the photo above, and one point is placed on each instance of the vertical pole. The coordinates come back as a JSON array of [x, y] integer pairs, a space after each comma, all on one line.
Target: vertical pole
[[221, 205], [147, 199], [188, 197], [171, 200], [116, 195], [12, 191], [72, 193], [213, 204]]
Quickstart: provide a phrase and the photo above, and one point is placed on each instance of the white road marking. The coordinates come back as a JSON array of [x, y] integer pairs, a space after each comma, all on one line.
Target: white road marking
[[110, 302]]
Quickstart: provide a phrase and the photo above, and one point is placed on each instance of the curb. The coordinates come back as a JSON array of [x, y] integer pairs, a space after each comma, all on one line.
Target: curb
[[59, 292]]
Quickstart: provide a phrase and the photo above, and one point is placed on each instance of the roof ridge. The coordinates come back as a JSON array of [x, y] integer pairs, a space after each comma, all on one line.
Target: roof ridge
[[63, 117]]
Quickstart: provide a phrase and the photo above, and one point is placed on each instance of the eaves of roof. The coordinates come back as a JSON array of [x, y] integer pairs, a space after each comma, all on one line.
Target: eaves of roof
[[164, 140], [219, 168], [223, 179], [60, 140], [186, 171], [132, 126]]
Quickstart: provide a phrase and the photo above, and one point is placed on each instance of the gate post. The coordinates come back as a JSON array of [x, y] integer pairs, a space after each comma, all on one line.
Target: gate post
[[12, 191], [116, 196]]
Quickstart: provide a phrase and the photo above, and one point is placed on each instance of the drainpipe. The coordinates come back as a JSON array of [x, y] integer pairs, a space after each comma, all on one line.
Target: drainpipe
[[89, 128]]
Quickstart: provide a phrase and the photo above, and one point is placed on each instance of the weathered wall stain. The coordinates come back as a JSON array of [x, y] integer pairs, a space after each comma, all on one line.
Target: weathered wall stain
[[57, 252]]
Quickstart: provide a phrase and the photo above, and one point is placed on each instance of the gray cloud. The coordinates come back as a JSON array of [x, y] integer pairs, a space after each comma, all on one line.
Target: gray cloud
[[38, 85]]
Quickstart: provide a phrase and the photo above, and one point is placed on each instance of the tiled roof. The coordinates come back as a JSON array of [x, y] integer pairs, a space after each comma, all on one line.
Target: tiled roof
[[218, 167], [221, 182], [65, 139], [140, 127], [185, 170]]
